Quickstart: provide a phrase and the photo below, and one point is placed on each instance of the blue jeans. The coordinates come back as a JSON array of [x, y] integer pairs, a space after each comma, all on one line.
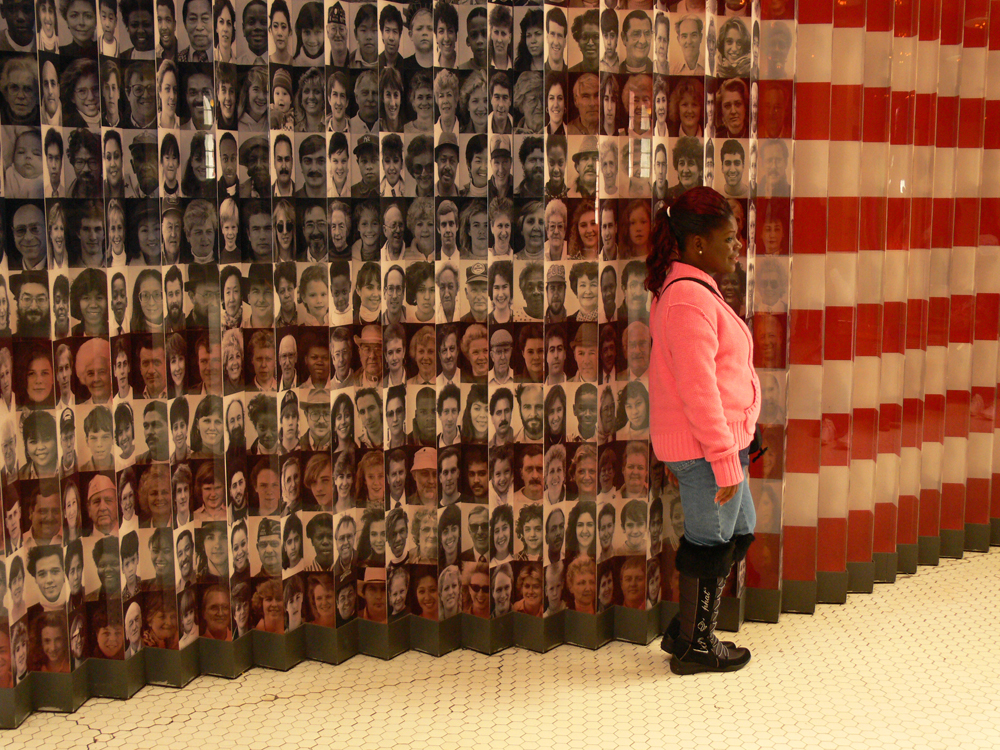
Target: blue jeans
[[707, 523]]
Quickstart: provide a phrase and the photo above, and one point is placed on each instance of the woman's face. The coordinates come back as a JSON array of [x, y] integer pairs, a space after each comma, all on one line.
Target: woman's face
[[241, 550], [501, 294], [610, 110], [392, 99], [232, 296], [312, 98], [636, 411], [177, 369], [773, 236], [257, 100], [586, 476], [638, 228], [585, 530], [449, 540], [87, 96], [731, 45], [116, 232], [556, 416], [210, 427], [169, 164], [660, 106], [500, 37], [533, 536], [428, 542], [224, 29], [587, 293], [427, 596], [343, 423], [556, 105], [607, 477], [316, 299], [479, 413], [280, 33], [479, 589], [198, 165], [54, 643], [555, 477], [394, 355], [729, 285], [479, 109], [81, 18], [293, 547], [127, 501], [57, 235], [449, 593], [689, 109], [39, 380], [151, 300], [501, 537], [587, 227], [688, 172], [501, 231], [168, 93], [376, 537]]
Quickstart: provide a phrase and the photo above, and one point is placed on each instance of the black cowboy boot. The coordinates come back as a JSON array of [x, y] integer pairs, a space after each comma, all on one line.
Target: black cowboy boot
[[703, 572], [742, 544]]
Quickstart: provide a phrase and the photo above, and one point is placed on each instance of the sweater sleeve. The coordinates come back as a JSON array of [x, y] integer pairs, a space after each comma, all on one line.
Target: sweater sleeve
[[693, 342]]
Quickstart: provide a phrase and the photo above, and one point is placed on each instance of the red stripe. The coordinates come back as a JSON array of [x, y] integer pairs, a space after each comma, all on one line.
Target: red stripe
[[846, 101], [863, 435], [844, 210], [977, 500], [839, 333], [832, 547], [952, 506], [884, 528], [802, 451], [799, 553], [812, 110], [929, 518], [890, 427], [876, 119], [873, 217], [806, 337], [909, 511], [893, 331], [897, 211], [809, 227], [860, 535], [970, 122], [956, 414]]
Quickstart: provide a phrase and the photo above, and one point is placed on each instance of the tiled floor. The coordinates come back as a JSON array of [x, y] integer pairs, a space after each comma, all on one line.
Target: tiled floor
[[914, 665]]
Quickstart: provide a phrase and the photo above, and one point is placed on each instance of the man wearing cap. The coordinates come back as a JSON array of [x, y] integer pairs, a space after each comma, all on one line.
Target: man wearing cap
[[143, 179], [393, 184], [316, 405], [253, 157], [312, 167], [586, 98], [171, 226], [425, 475], [555, 289], [447, 225], [67, 441], [102, 505], [269, 547], [584, 348], [366, 94], [336, 35], [500, 120], [203, 289], [369, 343], [366, 153], [501, 183], [585, 161], [532, 158], [475, 294], [446, 157], [501, 347]]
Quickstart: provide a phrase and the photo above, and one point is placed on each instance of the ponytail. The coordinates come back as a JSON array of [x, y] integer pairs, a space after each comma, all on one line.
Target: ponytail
[[696, 213]]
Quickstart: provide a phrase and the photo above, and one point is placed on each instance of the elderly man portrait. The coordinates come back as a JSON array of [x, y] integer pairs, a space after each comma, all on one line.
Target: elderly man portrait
[[586, 99]]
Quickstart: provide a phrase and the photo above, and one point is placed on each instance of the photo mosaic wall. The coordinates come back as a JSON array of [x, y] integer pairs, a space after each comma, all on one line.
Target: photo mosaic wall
[[323, 326]]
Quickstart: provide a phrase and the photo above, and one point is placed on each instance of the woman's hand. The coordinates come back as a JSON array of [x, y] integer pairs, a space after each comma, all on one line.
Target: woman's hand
[[725, 494]]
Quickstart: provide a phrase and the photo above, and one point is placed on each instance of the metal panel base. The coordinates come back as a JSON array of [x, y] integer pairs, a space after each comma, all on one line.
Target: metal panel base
[[59, 692], [171, 668], [831, 587], [435, 638], [384, 641], [113, 678], [225, 658], [763, 605], [977, 537], [329, 645], [590, 631], [953, 543], [995, 532], [929, 550], [539, 634], [15, 704], [798, 596], [280, 651], [886, 566], [636, 625], [907, 558], [861, 577], [732, 613]]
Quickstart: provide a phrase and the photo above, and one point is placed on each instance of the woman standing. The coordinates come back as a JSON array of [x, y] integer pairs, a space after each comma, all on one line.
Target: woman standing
[[702, 364]]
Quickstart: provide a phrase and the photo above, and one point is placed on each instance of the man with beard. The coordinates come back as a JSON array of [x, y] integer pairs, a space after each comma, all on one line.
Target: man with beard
[[203, 289], [140, 89], [531, 475], [479, 531], [587, 35], [228, 175], [102, 505], [173, 285], [369, 404], [84, 152], [344, 536], [585, 410], [477, 474], [253, 46], [171, 227], [555, 286], [312, 218], [585, 162], [637, 343], [586, 98], [446, 158], [284, 185], [34, 316], [637, 32], [143, 180], [312, 167], [235, 426], [366, 153], [28, 228], [19, 16], [532, 411], [238, 492], [501, 184], [253, 157], [320, 533], [555, 533], [531, 155], [154, 429]]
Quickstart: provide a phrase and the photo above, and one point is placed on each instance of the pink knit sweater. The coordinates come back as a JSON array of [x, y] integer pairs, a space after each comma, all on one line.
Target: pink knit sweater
[[703, 390]]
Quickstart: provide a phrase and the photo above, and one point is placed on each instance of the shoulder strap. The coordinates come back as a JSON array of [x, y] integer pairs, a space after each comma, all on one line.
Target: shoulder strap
[[704, 283]]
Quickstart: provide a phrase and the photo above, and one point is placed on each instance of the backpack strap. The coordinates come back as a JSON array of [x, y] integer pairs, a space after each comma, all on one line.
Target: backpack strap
[[704, 283]]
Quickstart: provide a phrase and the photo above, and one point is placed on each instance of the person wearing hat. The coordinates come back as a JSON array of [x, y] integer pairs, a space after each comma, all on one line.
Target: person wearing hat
[[425, 475], [532, 156], [253, 157], [586, 96], [584, 348], [446, 157], [475, 293], [372, 591], [369, 344], [393, 184], [142, 181], [366, 153], [501, 184], [171, 226], [318, 435], [203, 289], [501, 347], [585, 162], [555, 290], [67, 441], [102, 505]]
